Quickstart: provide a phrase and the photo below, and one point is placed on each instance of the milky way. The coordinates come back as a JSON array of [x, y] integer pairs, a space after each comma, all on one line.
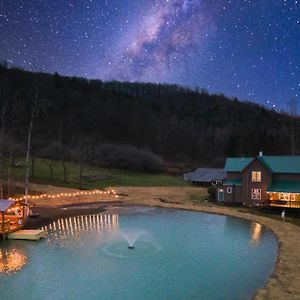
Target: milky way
[[245, 49], [165, 38]]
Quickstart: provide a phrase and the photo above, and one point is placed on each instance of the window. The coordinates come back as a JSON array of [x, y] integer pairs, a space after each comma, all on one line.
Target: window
[[215, 182], [256, 194], [229, 190], [256, 176]]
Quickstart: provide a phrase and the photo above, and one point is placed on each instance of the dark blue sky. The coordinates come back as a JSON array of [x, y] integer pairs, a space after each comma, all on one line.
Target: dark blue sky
[[247, 49]]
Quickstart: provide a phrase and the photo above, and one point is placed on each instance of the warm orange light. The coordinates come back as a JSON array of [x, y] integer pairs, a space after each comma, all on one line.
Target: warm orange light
[[59, 195], [255, 233], [11, 260]]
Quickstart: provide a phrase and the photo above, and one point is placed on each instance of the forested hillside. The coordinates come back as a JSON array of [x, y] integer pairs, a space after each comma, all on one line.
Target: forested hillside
[[133, 125]]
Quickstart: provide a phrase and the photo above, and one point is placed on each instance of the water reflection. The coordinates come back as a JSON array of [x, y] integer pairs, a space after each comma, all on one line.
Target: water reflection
[[11, 260], [255, 233], [234, 228], [75, 226]]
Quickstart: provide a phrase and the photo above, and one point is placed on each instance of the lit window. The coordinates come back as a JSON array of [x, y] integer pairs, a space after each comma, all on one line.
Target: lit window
[[256, 194], [229, 190], [256, 176]]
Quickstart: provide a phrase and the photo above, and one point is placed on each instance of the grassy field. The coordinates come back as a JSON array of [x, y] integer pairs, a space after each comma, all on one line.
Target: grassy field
[[103, 177], [126, 179]]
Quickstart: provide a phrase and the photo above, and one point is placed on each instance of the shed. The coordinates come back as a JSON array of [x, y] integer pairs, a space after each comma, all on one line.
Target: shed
[[12, 215], [206, 176]]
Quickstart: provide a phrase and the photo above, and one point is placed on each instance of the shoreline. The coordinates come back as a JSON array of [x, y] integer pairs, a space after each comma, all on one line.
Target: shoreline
[[282, 284]]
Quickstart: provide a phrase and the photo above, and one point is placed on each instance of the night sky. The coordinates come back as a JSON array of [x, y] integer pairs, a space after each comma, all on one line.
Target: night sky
[[246, 49]]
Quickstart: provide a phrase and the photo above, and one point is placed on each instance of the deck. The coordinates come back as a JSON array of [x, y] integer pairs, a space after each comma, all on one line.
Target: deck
[[286, 204], [27, 234]]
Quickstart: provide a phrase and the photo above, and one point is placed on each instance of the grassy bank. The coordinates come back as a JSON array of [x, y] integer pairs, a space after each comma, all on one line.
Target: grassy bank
[[292, 216], [93, 177]]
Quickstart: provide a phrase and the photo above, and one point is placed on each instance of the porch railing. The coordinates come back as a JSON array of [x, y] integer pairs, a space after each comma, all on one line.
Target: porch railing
[[283, 203]]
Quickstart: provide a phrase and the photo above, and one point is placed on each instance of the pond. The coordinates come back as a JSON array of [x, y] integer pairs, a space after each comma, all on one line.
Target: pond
[[177, 255]]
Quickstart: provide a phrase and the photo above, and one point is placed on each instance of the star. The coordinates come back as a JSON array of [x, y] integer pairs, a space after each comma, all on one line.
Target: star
[[213, 44]]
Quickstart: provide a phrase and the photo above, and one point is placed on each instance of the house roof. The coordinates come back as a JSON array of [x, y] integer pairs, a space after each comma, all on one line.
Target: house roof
[[276, 164], [205, 175], [284, 186], [283, 164], [237, 164], [5, 204], [236, 181]]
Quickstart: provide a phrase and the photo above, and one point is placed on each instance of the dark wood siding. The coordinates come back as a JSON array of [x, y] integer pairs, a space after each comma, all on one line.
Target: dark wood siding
[[228, 197], [233, 175], [235, 196], [248, 185], [238, 194], [286, 177]]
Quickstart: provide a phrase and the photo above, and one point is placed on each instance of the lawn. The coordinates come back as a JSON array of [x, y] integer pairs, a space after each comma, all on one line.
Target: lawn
[[94, 177]]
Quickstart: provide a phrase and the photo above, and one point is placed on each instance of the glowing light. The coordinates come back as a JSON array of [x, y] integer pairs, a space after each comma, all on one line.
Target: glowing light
[[63, 195], [255, 233], [11, 260]]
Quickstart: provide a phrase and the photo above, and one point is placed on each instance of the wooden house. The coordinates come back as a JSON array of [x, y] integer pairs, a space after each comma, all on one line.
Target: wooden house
[[262, 180], [12, 216]]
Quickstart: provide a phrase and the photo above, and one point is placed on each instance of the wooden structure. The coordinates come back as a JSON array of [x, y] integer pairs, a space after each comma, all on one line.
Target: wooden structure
[[205, 176], [12, 216], [261, 181], [29, 234]]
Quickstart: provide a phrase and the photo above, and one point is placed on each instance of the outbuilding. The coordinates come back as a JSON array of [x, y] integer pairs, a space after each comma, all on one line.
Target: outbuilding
[[206, 176], [12, 216]]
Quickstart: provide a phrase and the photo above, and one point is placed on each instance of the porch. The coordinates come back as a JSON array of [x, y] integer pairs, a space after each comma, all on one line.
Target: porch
[[288, 200], [284, 194]]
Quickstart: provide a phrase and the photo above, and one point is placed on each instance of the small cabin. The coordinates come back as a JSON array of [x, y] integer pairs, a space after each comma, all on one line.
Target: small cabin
[[12, 216]]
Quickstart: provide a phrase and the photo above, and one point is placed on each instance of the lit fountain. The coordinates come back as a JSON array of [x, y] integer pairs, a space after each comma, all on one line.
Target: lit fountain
[[131, 236]]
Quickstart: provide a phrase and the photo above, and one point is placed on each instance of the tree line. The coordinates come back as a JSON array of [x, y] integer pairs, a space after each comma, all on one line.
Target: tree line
[[132, 125]]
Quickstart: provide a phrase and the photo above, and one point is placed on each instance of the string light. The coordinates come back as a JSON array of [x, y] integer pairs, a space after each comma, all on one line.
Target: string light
[[61, 195]]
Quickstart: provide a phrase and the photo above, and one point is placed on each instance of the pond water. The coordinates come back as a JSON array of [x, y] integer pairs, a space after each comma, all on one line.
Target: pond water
[[177, 255]]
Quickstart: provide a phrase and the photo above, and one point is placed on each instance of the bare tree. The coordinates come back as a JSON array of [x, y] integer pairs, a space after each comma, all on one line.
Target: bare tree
[[36, 103], [82, 151], [62, 152], [29, 137]]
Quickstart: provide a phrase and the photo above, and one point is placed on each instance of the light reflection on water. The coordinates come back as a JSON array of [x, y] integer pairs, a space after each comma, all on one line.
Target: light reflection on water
[[76, 226], [12, 260], [256, 229]]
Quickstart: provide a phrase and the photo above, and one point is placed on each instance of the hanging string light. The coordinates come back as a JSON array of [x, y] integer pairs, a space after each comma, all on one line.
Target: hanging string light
[[64, 195]]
